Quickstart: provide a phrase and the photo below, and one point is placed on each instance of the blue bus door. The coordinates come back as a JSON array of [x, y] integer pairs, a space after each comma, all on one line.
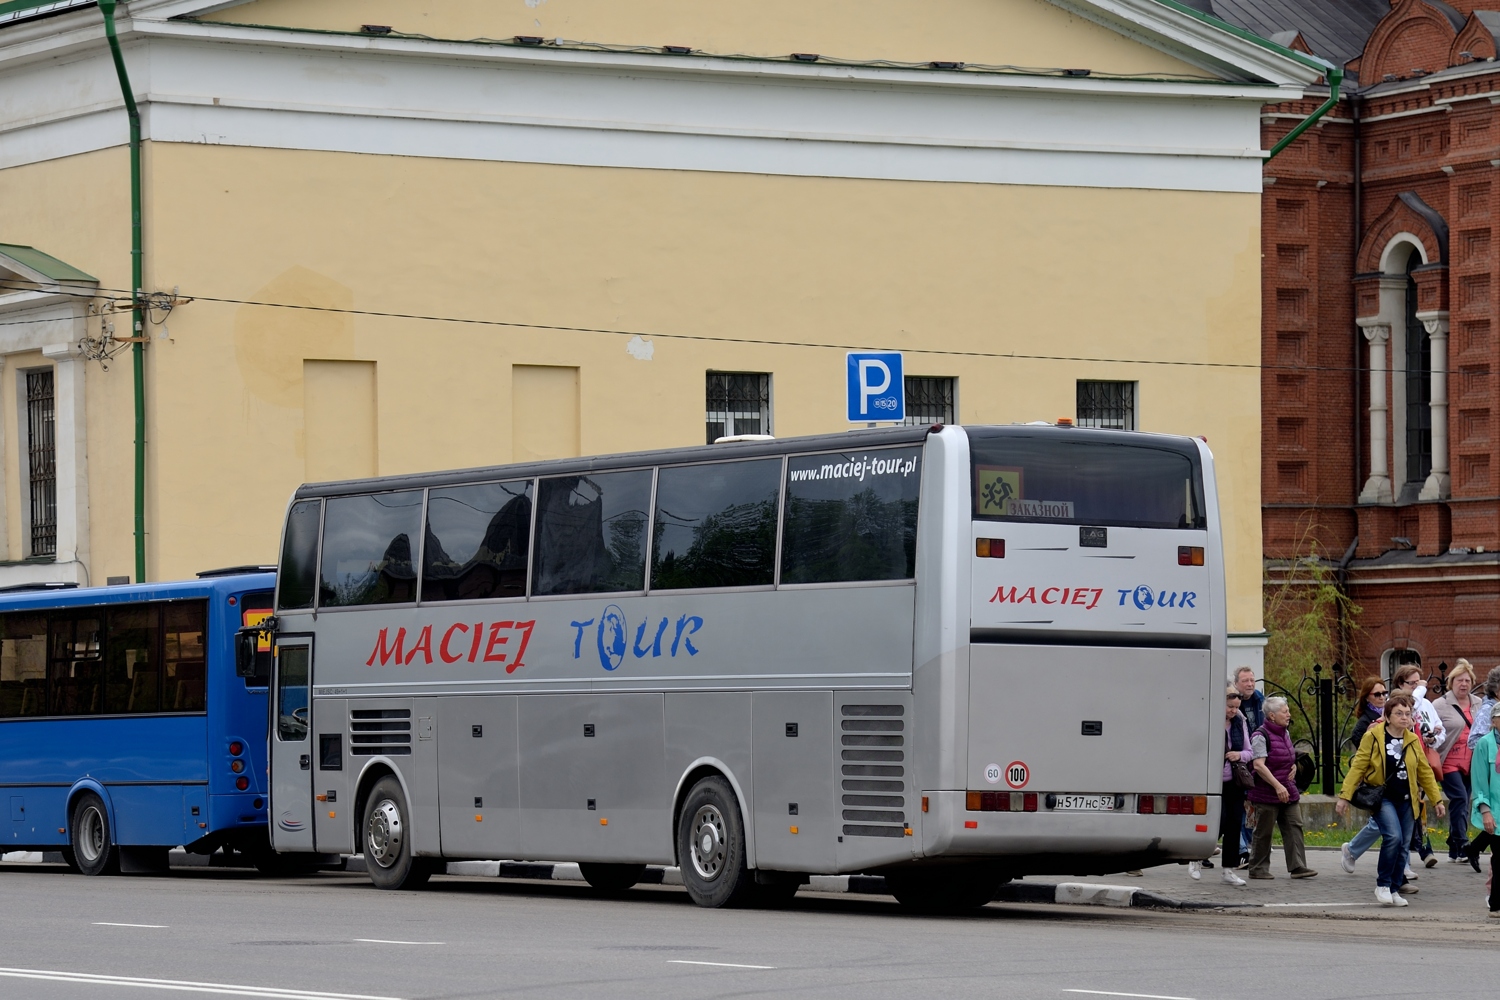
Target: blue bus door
[[291, 747]]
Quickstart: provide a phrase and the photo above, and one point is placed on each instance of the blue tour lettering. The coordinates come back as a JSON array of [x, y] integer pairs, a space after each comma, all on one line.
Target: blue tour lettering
[[578, 636]]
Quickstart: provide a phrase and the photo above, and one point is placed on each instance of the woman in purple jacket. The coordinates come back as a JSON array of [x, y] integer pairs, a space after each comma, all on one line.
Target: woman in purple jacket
[[1275, 794]]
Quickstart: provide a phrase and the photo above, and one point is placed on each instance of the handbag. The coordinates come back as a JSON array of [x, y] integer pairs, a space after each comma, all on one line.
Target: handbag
[[1368, 797], [1243, 776]]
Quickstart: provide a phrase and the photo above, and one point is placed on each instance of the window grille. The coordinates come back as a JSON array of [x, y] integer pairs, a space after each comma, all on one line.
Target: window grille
[[929, 400], [1110, 405], [1418, 385], [738, 403], [42, 453]]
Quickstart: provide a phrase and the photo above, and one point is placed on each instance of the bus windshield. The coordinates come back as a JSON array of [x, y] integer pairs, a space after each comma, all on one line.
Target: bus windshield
[[1074, 478]]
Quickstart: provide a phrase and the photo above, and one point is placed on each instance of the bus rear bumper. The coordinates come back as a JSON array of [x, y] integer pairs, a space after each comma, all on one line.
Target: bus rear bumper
[[1064, 843]]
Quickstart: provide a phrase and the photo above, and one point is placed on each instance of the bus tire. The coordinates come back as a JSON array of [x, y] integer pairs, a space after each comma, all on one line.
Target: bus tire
[[711, 846], [610, 877], [91, 839], [385, 836], [944, 890], [70, 859]]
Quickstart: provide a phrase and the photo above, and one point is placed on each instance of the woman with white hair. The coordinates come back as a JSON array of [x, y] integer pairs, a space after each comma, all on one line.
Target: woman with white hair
[[1457, 710], [1275, 794]]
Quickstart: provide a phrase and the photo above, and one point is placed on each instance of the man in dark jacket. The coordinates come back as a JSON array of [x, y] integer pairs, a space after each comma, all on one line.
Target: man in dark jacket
[[1252, 702]]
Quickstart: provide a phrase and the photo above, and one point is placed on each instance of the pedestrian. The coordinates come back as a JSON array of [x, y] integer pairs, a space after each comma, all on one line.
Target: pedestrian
[[1237, 754], [1372, 695], [1275, 794], [1391, 761], [1457, 710], [1252, 707], [1491, 694], [1430, 733], [1486, 797]]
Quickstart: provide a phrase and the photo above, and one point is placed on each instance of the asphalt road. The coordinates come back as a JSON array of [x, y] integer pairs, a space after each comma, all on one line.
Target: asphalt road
[[215, 932]]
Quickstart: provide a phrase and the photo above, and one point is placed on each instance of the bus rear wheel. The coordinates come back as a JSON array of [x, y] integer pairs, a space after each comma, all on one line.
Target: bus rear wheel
[[711, 846], [386, 840], [92, 841], [611, 878], [944, 890]]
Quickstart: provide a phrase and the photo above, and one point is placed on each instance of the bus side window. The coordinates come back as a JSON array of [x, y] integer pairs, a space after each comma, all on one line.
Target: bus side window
[[298, 575], [183, 653], [477, 541], [591, 533], [76, 665], [368, 547], [23, 665], [132, 675], [851, 516], [715, 525]]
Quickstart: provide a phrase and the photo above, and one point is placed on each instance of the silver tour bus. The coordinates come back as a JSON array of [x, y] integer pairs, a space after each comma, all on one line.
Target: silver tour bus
[[948, 655]]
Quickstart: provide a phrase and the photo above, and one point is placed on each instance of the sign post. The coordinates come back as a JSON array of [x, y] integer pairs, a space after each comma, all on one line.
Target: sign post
[[876, 387]]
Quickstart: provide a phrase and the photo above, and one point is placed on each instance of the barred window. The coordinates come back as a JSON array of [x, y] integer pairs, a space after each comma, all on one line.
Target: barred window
[[738, 403], [1110, 405], [929, 400], [41, 446]]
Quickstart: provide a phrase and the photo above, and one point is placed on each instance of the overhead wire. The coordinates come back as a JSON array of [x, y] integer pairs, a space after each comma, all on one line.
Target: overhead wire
[[709, 338]]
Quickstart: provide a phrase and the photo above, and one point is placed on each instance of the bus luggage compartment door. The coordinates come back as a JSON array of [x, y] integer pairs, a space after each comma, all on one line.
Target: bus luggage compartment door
[[1080, 719]]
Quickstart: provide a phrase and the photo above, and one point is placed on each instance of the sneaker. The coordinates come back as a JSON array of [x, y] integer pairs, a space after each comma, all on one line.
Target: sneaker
[[1409, 875], [1195, 870], [1383, 896], [1348, 859], [1304, 873], [1230, 878], [1454, 861], [1207, 863], [1217, 851], [1474, 862], [1136, 873], [1409, 888], [1431, 861], [1396, 900], [1495, 914]]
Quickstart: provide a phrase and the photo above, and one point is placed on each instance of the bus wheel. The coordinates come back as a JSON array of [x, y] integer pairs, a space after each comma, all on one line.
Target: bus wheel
[[711, 846], [387, 840], [612, 878], [93, 845], [944, 890], [70, 859]]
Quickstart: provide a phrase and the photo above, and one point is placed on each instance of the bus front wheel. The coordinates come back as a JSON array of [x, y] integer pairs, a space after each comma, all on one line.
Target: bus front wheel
[[386, 839], [711, 846], [91, 839]]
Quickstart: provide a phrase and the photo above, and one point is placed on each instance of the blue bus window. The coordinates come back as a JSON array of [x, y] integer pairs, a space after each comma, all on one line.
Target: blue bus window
[[23, 665], [184, 657], [132, 678], [291, 694], [76, 665]]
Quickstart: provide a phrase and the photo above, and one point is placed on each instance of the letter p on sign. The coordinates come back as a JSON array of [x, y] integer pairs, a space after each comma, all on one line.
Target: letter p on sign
[[876, 387]]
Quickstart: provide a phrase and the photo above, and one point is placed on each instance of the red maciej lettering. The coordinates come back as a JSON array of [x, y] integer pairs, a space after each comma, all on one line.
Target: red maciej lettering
[[495, 637], [1082, 597]]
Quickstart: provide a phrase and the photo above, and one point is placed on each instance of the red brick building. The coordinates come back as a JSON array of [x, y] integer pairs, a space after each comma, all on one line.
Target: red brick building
[[1381, 320]]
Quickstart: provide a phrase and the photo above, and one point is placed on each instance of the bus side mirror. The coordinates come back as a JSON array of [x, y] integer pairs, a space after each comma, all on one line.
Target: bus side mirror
[[245, 641]]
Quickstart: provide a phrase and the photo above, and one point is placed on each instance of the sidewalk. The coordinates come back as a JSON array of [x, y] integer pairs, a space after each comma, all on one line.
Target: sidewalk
[[1448, 889]]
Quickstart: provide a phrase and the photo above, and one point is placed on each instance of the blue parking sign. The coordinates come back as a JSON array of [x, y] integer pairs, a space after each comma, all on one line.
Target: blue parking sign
[[877, 390]]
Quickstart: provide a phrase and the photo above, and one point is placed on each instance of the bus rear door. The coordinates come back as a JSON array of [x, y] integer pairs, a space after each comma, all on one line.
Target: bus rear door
[[291, 747]]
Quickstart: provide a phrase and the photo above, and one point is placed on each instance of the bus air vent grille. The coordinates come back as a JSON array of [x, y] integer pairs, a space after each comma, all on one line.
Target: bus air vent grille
[[380, 731], [872, 747]]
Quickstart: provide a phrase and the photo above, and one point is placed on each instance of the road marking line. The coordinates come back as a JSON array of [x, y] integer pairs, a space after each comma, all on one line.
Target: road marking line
[[106, 923], [381, 941], [182, 986], [1144, 996], [720, 965]]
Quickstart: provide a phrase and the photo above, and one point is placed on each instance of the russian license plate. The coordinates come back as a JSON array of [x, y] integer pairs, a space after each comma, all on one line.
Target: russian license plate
[[1086, 803]]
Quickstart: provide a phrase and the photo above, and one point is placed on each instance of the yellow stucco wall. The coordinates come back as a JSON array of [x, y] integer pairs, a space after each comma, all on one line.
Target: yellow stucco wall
[[1032, 33], [923, 267]]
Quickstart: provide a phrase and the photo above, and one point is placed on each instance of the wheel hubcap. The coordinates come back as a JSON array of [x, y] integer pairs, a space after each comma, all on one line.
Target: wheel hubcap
[[90, 834], [383, 838], [708, 843]]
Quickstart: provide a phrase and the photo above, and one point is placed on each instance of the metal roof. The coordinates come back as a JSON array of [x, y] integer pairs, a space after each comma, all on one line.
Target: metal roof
[[44, 264], [1337, 30]]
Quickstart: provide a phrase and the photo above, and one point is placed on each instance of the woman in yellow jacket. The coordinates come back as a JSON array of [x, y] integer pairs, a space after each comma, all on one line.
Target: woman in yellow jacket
[[1391, 758]]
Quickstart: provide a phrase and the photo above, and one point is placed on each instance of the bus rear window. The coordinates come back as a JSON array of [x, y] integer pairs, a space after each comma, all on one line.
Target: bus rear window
[[1051, 479]]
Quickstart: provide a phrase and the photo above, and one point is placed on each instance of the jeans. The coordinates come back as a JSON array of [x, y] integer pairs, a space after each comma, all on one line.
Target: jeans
[[1456, 791], [1396, 822], [1365, 838]]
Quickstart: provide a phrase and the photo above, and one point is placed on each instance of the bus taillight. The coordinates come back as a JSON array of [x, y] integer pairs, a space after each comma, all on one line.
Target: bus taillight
[[1001, 801], [236, 748], [242, 783], [1190, 555], [1173, 805], [989, 548]]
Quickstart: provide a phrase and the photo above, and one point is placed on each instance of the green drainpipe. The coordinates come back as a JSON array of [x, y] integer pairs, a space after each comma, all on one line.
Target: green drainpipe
[[137, 326], [1335, 77]]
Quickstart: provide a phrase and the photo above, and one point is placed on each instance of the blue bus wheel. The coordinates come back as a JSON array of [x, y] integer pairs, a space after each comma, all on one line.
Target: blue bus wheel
[[92, 841]]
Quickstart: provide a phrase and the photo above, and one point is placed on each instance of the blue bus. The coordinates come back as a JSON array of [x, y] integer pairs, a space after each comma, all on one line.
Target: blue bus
[[126, 727]]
